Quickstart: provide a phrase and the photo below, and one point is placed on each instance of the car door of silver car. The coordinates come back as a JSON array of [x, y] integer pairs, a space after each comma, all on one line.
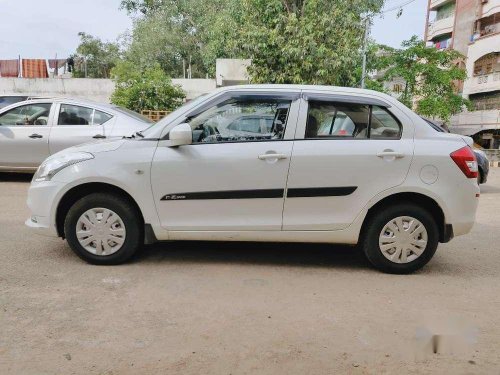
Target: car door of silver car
[[76, 124], [24, 136]]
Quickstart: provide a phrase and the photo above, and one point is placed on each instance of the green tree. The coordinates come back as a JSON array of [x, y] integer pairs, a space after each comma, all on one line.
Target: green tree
[[95, 57], [305, 41], [173, 33], [144, 89], [431, 76]]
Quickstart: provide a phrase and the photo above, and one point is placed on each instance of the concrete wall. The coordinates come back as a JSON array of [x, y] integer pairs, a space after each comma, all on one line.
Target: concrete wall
[[94, 89], [465, 17], [231, 71], [195, 87], [99, 90]]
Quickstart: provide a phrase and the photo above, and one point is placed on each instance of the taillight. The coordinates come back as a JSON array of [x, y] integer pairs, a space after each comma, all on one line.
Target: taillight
[[466, 161]]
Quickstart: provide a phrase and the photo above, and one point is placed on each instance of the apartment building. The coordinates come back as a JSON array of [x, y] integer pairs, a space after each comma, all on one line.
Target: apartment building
[[472, 27]]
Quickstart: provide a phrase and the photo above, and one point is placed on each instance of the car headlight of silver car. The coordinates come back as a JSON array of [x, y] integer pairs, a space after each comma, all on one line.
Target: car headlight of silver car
[[53, 165]]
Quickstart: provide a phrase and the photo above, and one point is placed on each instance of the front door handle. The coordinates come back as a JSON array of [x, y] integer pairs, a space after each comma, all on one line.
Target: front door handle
[[35, 136], [99, 136], [272, 156], [390, 154]]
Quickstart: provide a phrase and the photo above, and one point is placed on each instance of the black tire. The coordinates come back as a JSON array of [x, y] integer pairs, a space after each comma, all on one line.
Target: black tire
[[376, 223], [479, 176], [128, 213]]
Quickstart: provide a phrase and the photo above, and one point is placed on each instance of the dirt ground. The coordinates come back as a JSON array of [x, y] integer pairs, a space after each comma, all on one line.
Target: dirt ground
[[233, 308]]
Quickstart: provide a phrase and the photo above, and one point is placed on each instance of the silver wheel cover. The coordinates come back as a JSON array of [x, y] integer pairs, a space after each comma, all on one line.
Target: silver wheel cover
[[403, 239], [100, 231]]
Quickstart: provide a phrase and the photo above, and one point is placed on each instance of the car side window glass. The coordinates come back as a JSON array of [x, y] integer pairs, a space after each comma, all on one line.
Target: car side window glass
[[384, 125], [70, 114], [101, 117], [337, 120], [241, 120], [31, 114]]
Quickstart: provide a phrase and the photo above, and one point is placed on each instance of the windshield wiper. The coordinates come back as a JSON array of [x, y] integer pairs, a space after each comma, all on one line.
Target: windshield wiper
[[139, 134]]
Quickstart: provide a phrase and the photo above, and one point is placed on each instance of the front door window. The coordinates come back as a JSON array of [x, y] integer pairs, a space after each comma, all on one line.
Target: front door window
[[30, 114], [238, 120]]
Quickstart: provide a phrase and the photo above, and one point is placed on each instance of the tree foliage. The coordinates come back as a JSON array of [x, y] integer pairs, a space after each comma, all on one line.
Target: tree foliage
[[144, 89], [305, 41], [95, 56], [177, 32], [430, 76]]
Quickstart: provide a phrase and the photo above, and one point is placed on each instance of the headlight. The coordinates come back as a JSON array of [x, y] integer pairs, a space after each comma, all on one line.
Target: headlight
[[53, 165]]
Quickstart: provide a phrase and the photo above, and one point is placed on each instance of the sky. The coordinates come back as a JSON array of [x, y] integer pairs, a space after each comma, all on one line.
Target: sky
[[44, 28]]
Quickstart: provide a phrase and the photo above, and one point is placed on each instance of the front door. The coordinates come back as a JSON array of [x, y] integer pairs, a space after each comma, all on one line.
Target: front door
[[74, 125], [24, 136], [234, 174], [348, 153]]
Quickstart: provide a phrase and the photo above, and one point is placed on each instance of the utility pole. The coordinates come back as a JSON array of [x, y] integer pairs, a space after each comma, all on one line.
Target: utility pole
[[365, 43]]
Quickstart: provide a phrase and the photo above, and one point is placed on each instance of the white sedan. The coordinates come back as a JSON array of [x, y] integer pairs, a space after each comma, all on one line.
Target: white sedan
[[31, 131], [378, 175]]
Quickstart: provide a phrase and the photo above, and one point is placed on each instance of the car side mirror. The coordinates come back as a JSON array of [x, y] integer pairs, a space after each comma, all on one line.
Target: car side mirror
[[180, 135]]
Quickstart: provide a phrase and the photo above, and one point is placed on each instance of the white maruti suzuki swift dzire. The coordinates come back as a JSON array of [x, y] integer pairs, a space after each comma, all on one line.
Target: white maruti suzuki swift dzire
[[266, 163]]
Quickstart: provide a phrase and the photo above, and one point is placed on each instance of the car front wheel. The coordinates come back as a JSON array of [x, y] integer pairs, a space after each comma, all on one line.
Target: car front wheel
[[400, 239], [103, 228]]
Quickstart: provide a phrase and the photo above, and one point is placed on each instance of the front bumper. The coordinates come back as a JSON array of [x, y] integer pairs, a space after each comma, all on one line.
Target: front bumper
[[41, 226], [42, 200]]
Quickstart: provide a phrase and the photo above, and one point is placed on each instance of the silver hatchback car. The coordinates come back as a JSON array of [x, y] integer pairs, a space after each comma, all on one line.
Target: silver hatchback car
[[31, 131]]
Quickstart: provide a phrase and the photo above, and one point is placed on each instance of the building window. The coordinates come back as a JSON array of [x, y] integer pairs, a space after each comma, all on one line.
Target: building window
[[487, 64], [397, 88]]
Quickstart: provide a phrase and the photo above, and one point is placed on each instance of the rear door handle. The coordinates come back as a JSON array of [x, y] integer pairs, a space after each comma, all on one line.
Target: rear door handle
[[35, 136], [391, 154], [272, 156], [99, 136]]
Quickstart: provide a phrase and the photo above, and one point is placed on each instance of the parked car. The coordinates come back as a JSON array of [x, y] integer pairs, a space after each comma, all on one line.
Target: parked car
[[30, 131], [482, 160], [393, 185]]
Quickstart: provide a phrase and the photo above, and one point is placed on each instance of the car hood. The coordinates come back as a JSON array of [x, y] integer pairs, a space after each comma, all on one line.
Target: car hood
[[92, 147], [99, 146]]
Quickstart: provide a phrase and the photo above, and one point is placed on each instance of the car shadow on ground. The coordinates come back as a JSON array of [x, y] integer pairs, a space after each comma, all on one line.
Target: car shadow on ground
[[258, 253], [15, 177]]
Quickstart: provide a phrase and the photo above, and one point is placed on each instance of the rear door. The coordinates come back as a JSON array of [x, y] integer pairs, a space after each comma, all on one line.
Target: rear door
[[24, 135], [347, 150], [76, 124]]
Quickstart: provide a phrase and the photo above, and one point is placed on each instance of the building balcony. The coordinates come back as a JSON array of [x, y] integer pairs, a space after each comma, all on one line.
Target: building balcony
[[439, 3], [440, 27], [470, 123], [483, 83], [483, 77], [490, 8]]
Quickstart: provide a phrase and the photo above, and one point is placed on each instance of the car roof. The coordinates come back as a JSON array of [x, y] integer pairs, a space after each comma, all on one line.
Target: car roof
[[82, 102], [332, 89]]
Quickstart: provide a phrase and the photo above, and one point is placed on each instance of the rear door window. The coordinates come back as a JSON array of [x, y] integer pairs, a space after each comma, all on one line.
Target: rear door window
[[350, 120], [337, 120], [70, 114]]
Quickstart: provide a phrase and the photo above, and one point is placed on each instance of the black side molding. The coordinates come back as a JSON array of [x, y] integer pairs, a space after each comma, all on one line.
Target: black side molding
[[320, 192], [263, 193], [227, 194]]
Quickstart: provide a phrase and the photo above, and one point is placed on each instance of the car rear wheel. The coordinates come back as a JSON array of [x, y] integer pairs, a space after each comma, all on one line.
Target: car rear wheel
[[400, 239], [102, 228]]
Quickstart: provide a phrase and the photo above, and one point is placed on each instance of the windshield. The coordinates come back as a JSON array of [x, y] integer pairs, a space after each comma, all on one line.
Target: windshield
[[186, 107]]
